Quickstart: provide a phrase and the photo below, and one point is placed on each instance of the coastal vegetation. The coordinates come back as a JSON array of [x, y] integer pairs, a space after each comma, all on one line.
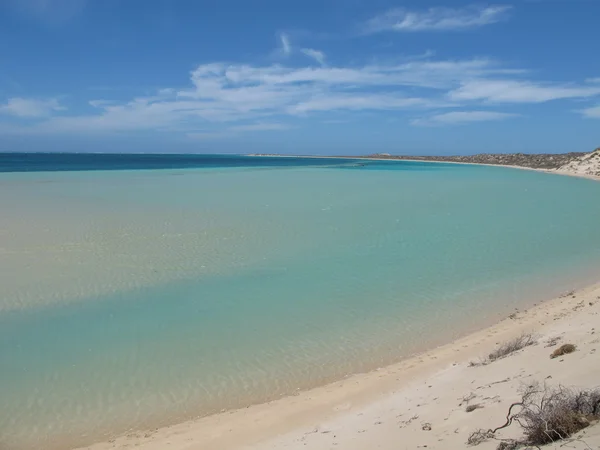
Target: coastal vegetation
[[563, 350], [535, 161], [508, 348], [573, 162], [514, 345], [546, 415]]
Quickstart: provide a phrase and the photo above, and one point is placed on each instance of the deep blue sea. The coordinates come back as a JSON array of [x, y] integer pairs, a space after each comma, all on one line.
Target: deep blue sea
[[138, 291], [44, 162]]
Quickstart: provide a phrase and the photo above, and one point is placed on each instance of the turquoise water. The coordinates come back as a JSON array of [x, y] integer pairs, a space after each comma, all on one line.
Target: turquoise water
[[135, 299]]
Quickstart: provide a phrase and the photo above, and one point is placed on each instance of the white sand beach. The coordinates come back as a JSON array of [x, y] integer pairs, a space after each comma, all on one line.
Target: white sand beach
[[587, 166]]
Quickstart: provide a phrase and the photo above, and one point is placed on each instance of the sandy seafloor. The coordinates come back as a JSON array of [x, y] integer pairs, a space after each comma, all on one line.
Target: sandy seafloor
[[384, 408]]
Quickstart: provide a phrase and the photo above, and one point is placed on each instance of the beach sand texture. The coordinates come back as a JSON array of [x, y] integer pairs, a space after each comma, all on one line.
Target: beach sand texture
[[587, 165]]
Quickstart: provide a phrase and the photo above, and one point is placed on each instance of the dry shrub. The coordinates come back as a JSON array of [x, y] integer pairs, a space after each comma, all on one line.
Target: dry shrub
[[558, 413], [479, 436], [472, 408], [547, 415], [553, 341], [516, 344], [564, 349], [508, 445]]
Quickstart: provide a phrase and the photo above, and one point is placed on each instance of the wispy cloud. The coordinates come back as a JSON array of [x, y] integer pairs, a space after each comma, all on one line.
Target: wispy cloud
[[237, 129], [99, 103], [260, 127], [420, 73], [207, 136], [335, 121], [234, 93], [317, 55], [437, 19], [29, 107], [53, 12], [592, 112], [353, 102], [223, 99], [514, 91], [285, 44], [462, 117]]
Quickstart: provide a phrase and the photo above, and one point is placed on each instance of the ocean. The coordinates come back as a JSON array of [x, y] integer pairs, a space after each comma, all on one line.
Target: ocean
[[138, 291]]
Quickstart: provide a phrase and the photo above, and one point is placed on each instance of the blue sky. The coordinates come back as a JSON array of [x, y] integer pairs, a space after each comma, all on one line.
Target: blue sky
[[299, 76]]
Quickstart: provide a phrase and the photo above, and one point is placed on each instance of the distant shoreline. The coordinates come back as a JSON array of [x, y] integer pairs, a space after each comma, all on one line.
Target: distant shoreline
[[541, 162], [534, 161]]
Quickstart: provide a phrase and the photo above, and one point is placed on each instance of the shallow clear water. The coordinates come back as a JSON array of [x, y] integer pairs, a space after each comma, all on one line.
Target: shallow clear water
[[133, 299]]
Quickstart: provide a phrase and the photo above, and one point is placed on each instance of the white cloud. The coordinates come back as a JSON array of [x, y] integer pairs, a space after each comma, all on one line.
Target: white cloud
[[260, 127], [286, 45], [29, 107], [353, 102], [317, 55], [224, 99], [462, 117], [232, 93], [437, 19], [513, 91], [99, 103], [424, 73], [591, 113]]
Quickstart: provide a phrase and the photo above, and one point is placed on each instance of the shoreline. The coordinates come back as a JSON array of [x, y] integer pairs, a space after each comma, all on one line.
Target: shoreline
[[432, 161], [261, 426], [358, 399]]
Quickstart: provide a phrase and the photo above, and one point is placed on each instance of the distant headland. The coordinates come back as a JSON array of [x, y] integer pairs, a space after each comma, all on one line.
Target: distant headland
[[575, 163]]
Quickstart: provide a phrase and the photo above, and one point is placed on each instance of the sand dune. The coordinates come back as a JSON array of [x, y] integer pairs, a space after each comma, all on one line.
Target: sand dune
[[588, 164]]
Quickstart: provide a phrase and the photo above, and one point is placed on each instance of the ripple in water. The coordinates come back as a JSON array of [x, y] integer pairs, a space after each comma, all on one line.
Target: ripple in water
[[139, 299]]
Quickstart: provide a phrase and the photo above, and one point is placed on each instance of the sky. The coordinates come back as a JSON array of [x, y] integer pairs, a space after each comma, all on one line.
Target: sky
[[299, 76]]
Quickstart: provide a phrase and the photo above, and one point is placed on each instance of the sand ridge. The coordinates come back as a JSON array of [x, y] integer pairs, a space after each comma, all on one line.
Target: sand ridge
[[586, 165]]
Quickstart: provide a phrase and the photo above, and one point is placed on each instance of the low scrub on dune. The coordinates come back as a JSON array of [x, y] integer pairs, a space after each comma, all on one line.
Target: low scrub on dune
[[512, 346], [507, 348], [546, 415], [564, 349]]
